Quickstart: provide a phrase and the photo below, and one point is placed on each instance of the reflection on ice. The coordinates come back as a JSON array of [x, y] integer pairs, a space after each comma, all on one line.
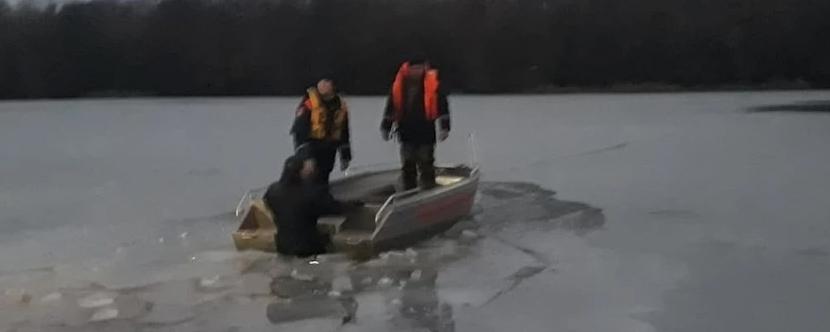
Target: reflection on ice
[[162, 286]]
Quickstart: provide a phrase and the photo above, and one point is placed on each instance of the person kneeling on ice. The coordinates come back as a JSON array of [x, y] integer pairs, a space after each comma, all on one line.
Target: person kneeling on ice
[[297, 201]]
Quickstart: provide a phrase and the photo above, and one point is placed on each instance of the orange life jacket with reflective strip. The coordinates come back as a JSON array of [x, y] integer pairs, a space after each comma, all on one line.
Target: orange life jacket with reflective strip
[[319, 115], [431, 84]]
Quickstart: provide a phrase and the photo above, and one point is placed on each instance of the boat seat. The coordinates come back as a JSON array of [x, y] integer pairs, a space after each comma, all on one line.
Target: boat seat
[[448, 180], [351, 237], [360, 218], [330, 224]]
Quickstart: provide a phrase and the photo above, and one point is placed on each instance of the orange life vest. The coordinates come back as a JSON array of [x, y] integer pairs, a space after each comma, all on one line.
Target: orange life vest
[[430, 92], [318, 118]]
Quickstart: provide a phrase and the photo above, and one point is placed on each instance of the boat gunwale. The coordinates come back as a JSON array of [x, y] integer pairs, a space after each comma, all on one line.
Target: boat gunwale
[[471, 180], [243, 205]]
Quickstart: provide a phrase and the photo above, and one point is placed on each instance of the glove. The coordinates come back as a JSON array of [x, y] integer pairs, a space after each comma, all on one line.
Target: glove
[[442, 135], [384, 134], [344, 165]]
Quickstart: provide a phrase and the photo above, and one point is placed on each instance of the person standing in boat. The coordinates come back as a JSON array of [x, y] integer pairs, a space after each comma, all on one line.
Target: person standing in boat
[[416, 102], [297, 200], [321, 129]]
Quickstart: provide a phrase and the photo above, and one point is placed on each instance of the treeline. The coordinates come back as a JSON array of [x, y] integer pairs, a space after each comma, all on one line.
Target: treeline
[[265, 47]]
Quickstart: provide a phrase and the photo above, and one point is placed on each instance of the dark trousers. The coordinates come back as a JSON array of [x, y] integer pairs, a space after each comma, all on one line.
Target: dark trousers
[[325, 156], [418, 158], [301, 243]]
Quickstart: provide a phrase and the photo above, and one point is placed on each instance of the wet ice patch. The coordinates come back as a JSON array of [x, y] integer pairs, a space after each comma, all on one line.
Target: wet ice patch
[[529, 205], [51, 298], [96, 300], [674, 214], [813, 252], [315, 307], [415, 289], [104, 314]]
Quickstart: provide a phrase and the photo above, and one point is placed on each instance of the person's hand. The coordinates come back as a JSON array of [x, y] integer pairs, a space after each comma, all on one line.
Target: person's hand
[[442, 135], [385, 135], [344, 165]]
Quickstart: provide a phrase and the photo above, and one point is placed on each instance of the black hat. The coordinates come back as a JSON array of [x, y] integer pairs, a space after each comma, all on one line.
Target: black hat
[[291, 170]]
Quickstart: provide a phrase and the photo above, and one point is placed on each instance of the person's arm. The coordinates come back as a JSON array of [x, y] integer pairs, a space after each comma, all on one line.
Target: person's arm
[[271, 199], [302, 126], [388, 118], [345, 143], [443, 110]]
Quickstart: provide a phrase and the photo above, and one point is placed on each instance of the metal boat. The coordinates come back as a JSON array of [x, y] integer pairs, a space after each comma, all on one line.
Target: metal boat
[[390, 218]]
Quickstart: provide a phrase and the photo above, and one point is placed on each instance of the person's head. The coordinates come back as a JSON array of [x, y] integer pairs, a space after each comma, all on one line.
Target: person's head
[[326, 88], [308, 170], [297, 169], [417, 67]]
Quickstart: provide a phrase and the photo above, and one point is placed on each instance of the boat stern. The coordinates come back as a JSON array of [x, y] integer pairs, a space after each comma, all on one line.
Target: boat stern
[[257, 230]]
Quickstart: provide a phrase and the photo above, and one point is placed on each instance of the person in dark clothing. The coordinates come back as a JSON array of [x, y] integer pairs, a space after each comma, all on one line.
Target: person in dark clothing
[[321, 129], [416, 102], [297, 201]]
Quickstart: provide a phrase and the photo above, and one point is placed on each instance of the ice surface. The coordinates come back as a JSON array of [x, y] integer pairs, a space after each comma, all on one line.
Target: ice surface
[[672, 212]]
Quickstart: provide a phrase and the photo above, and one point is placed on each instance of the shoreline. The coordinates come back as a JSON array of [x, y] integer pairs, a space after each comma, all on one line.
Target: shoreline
[[546, 91]]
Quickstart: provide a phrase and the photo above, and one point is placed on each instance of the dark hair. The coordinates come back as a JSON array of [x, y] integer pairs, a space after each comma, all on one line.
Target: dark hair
[[291, 171], [418, 57], [418, 61]]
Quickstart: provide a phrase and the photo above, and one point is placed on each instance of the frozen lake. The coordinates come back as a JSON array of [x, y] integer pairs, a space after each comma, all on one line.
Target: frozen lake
[[672, 212]]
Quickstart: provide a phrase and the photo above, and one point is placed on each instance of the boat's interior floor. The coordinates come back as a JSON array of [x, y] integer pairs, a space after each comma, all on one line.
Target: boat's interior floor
[[373, 190], [368, 188]]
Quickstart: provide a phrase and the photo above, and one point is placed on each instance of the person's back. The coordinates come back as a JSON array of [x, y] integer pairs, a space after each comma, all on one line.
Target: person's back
[[296, 220], [297, 203], [416, 102], [414, 127]]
